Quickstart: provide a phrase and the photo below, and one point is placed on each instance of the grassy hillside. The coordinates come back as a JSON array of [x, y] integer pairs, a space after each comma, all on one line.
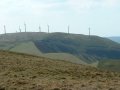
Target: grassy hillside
[[25, 72], [65, 57], [30, 48], [112, 65], [84, 47], [10, 40], [75, 48], [26, 47]]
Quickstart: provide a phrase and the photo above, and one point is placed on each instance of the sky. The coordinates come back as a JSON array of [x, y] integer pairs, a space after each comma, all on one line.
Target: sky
[[102, 16]]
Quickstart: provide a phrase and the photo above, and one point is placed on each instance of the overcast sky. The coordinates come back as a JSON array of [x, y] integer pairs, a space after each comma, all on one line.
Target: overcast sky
[[103, 16]]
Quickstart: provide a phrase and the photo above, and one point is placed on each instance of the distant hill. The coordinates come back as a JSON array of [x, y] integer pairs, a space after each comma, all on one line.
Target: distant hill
[[116, 39], [10, 40], [75, 48], [84, 47], [24, 43], [27, 72]]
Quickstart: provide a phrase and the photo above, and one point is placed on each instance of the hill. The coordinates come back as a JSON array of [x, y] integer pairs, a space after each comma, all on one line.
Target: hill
[[116, 39], [24, 43], [88, 49], [112, 65], [75, 48], [10, 40], [26, 72], [30, 48]]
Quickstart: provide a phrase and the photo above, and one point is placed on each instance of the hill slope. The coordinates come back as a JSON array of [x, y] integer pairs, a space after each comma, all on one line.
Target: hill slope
[[62, 46], [10, 40], [30, 48], [26, 47], [24, 43], [84, 47], [112, 65], [25, 72]]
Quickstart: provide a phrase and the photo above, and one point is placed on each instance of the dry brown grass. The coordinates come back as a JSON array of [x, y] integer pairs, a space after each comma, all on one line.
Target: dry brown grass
[[25, 72]]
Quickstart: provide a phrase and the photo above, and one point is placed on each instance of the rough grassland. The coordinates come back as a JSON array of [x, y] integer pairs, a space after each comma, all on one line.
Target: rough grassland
[[30, 48], [25, 72]]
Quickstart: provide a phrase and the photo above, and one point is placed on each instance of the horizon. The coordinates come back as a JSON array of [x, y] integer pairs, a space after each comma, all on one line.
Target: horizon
[[56, 32], [102, 16]]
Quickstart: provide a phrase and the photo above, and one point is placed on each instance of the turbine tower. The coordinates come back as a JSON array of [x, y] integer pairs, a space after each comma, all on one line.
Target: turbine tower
[[39, 28], [5, 29], [48, 28], [68, 29], [25, 26], [89, 31]]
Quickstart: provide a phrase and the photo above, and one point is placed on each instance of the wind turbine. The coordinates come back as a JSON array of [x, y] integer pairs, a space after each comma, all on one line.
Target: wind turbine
[[89, 31], [48, 28], [68, 29], [39, 28], [25, 26], [5, 29]]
